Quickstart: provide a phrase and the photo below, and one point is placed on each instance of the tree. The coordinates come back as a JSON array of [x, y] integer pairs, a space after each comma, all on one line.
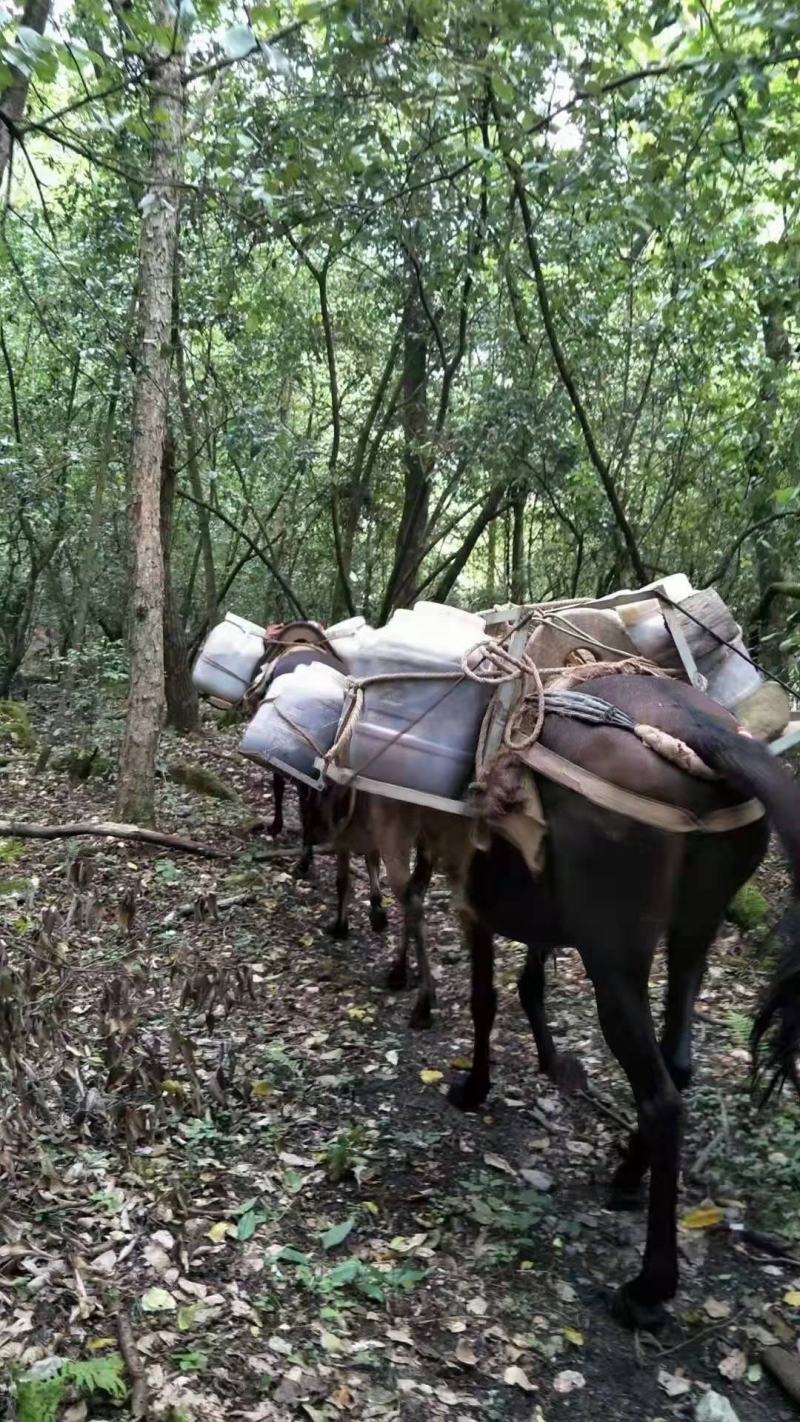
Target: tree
[[160, 208]]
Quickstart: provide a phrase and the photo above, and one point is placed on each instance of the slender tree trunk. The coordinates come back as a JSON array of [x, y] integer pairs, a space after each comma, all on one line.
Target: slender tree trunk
[[416, 483], [137, 769], [518, 501], [491, 565], [34, 17], [183, 710], [764, 472], [210, 610]]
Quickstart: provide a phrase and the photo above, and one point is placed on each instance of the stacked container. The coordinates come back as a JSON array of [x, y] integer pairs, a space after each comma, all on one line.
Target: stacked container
[[229, 660], [297, 721], [419, 726]]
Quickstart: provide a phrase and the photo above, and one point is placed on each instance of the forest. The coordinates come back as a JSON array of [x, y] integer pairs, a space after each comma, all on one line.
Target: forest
[[312, 309]]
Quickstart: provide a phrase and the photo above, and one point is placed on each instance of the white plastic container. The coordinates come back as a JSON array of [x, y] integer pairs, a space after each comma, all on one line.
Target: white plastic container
[[343, 637], [229, 659], [731, 678], [297, 721], [419, 732]]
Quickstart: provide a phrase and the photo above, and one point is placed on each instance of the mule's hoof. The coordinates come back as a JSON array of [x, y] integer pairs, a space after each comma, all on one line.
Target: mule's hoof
[[378, 920], [301, 870], [338, 929], [275, 829], [622, 1196], [397, 977], [631, 1313], [467, 1094], [420, 1015], [567, 1072]]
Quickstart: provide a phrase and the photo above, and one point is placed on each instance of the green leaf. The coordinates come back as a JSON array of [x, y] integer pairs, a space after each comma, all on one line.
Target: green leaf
[[292, 1256], [238, 41], [248, 1224], [337, 1234]]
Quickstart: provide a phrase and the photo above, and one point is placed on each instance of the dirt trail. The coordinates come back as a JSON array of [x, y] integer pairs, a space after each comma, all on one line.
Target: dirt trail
[[225, 1127]]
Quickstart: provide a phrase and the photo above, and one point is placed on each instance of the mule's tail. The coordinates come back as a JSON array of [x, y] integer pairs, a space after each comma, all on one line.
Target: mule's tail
[[749, 768]]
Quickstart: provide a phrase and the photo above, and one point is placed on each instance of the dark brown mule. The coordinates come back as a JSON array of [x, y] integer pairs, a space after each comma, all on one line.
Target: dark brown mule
[[611, 888]]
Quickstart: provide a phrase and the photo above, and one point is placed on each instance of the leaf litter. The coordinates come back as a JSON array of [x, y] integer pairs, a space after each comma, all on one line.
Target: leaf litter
[[216, 1122]]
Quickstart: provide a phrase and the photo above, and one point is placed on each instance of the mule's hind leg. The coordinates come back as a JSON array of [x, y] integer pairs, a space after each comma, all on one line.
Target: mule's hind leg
[[339, 927], [562, 1068], [713, 871], [624, 1011], [377, 913], [473, 1089]]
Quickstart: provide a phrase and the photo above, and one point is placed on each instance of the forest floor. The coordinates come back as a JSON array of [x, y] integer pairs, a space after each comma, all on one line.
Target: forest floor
[[220, 1131]]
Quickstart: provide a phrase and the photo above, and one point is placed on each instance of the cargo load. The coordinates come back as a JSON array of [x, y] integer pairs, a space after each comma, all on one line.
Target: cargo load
[[400, 709]]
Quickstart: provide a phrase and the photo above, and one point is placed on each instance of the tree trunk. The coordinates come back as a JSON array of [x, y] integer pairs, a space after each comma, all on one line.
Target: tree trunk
[[34, 17], [491, 565], [764, 471], [416, 483], [518, 501], [137, 768], [89, 562], [210, 612], [183, 709]]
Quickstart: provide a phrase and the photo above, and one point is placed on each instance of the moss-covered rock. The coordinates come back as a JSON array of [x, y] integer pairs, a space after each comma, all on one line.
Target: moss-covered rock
[[200, 779], [749, 909], [15, 725]]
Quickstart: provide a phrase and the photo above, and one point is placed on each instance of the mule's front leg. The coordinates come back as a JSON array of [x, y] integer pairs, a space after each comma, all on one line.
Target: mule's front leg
[[471, 1092], [278, 791], [378, 920], [308, 813], [414, 927]]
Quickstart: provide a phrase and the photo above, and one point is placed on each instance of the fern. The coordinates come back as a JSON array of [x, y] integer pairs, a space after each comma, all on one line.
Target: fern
[[39, 1398], [740, 1026]]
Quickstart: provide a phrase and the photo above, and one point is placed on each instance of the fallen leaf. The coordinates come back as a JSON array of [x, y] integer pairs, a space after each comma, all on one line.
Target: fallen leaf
[[569, 1381], [717, 1308], [337, 1234], [674, 1384], [95, 1344], [262, 1089], [538, 1179], [400, 1335], [703, 1218], [461, 1064], [565, 1292], [280, 1345], [792, 1298], [517, 1377], [430, 1077], [331, 1343], [466, 1353], [573, 1336], [734, 1367], [478, 1306], [157, 1301], [498, 1163], [217, 1232]]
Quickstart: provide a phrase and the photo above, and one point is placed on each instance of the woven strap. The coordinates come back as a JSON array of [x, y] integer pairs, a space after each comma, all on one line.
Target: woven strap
[[637, 807]]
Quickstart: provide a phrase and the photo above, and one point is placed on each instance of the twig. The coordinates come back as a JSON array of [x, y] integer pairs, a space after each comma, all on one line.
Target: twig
[[13, 829], [703, 1158], [600, 1105], [140, 1402], [703, 1333], [186, 910]]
